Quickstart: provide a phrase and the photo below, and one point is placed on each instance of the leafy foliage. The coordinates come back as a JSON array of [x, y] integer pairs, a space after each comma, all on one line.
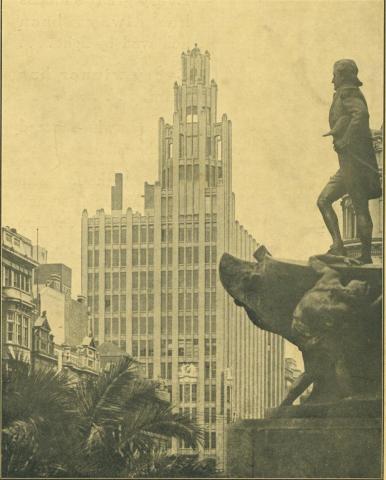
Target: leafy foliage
[[112, 426]]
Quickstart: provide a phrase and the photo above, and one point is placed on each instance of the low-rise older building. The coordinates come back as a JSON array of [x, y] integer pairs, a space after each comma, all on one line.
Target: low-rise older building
[[43, 347], [17, 307], [79, 361], [69, 318]]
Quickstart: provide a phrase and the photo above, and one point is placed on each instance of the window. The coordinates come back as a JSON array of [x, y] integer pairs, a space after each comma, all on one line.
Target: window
[[134, 326], [181, 278], [134, 280], [115, 303], [108, 236], [134, 258], [135, 230], [90, 277], [206, 440], [150, 370], [115, 281], [213, 439], [170, 255], [142, 302], [188, 278], [181, 255], [188, 255], [115, 258], [181, 146], [135, 348], [163, 256], [163, 325], [123, 257], [115, 234], [206, 415], [181, 232], [207, 254], [213, 393], [107, 326], [134, 303], [123, 303], [123, 280], [143, 256], [150, 302], [150, 280], [107, 303], [150, 256], [142, 348], [96, 236], [89, 262], [115, 327], [123, 326], [143, 233], [7, 277], [123, 234], [150, 325], [107, 258], [10, 326], [151, 233], [96, 258]]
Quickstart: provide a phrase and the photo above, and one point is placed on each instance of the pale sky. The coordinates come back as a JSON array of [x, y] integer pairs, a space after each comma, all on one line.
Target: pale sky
[[85, 82]]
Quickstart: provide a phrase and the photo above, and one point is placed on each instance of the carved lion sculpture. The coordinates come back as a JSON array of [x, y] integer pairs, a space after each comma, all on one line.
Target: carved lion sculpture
[[334, 318]]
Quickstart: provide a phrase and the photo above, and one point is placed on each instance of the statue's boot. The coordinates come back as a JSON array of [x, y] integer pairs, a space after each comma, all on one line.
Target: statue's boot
[[365, 256], [337, 250]]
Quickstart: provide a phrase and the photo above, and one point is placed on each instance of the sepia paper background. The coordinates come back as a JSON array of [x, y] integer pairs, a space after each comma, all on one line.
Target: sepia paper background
[[85, 81]]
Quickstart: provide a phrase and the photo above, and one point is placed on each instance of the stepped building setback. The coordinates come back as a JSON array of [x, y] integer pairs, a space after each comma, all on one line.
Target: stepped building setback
[[151, 279]]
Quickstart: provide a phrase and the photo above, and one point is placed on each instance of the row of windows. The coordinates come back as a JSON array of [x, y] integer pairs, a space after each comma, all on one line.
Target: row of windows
[[143, 325], [115, 327], [188, 393], [143, 280], [143, 348], [188, 347], [114, 303], [188, 301], [188, 279], [116, 235], [210, 370], [142, 257], [143, 302], [210, 393], [115, 281], [118, 258], [187, 325], [210, 346], [188, 233], [189, 145], [143, 233], [18, 328], [12, 278]]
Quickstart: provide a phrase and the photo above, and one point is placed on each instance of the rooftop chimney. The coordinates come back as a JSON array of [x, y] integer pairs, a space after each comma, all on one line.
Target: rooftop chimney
[[116, 192]]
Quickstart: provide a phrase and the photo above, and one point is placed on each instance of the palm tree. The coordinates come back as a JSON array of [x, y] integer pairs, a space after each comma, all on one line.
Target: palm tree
[[37, 418], [111, 426], [124, 423]]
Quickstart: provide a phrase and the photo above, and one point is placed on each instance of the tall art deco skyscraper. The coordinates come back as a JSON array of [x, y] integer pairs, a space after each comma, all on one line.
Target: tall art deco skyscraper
[[152, 279]]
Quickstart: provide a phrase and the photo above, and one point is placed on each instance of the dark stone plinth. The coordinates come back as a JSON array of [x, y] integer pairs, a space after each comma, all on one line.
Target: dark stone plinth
[[318, 445]]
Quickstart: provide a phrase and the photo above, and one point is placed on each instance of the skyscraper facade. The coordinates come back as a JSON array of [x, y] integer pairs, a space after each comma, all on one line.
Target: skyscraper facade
[[152, 280]]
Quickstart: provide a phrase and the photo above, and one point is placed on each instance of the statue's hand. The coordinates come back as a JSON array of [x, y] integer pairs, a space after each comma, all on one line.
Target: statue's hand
[[328, 134]]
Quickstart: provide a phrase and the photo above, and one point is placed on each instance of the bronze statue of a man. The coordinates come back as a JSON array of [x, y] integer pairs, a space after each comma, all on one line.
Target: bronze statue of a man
[[358, 174]]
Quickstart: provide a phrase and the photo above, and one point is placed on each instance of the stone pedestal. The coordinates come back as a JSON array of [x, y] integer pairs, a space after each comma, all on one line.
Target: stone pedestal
[[343, 440]]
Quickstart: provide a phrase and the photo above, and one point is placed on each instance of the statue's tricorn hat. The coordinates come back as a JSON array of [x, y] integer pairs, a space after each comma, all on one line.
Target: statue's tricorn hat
[[349, 70]]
